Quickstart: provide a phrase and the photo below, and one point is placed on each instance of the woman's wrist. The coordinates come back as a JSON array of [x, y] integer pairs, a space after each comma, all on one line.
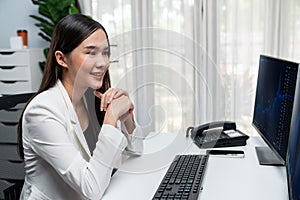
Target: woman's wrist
[[130, 124], [109, 118]]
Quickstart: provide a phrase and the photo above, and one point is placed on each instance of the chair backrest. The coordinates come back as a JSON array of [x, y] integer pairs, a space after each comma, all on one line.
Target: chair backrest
[[11, 166], [13, 192]]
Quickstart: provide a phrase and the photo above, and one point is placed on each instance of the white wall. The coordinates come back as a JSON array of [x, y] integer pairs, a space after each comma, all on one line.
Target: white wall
[[14, 15]]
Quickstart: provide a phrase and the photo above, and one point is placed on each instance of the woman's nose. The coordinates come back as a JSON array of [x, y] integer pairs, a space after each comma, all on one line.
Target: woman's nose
[[102, 62]]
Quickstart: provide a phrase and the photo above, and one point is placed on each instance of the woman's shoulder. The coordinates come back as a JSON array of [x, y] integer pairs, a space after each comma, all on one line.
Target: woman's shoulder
[[49, 101], [48, 97]]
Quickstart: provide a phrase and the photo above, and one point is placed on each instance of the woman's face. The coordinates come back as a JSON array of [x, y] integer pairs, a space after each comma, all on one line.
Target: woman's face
[[88, 62]]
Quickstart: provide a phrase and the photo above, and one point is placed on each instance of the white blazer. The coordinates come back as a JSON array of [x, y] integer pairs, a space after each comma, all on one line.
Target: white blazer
[[58, 162]]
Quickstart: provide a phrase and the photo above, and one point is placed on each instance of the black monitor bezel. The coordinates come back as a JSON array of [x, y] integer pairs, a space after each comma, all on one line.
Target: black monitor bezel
[[253, 124], [296, 99]]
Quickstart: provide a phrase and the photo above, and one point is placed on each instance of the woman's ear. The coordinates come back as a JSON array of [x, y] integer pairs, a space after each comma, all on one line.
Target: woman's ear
[[61, 59]]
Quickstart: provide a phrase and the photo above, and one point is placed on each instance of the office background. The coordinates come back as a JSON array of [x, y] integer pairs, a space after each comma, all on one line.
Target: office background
[[184, 62]]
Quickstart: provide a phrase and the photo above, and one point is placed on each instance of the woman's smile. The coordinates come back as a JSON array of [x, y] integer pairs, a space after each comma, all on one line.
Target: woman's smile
[[97, 74]]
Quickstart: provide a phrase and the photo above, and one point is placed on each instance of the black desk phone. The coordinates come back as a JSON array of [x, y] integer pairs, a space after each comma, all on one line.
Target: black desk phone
[[217, 134]]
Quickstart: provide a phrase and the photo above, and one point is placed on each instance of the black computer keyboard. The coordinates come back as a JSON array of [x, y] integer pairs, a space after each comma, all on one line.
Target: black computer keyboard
[[183, 178]]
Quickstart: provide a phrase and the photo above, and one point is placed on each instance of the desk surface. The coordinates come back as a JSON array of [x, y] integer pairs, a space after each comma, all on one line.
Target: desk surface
[[225, 178]]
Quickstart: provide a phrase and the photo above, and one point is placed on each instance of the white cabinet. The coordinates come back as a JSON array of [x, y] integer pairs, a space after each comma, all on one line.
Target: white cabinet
[[20, 71]]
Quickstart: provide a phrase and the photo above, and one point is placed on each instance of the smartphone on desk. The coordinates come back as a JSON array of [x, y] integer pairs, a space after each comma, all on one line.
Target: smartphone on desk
[[226, 153]]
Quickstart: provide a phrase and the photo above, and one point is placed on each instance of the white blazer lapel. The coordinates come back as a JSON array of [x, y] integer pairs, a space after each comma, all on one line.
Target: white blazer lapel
[[74, 120]]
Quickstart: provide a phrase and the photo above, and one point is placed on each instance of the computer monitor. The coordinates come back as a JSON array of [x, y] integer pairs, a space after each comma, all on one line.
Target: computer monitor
[[293, 151], [273, 107]]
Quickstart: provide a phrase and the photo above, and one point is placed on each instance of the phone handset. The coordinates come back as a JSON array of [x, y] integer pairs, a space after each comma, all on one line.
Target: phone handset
[[197, 131]]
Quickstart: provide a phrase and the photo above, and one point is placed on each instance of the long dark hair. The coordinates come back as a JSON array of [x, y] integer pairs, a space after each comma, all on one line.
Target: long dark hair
[[67, 35]]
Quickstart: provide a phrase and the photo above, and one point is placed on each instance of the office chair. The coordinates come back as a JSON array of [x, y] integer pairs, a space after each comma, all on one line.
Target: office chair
[[11, 166]]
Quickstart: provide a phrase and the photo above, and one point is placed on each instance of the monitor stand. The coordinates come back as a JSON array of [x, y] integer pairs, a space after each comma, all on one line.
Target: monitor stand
[[267, 157]]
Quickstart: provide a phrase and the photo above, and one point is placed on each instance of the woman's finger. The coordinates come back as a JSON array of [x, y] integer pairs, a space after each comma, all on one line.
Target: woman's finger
[[98, 94], [103, 104], [116, 93], [104, 99], [113, 95]]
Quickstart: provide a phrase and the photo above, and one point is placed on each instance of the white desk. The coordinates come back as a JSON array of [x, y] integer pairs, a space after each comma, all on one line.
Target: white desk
[[225, 178]]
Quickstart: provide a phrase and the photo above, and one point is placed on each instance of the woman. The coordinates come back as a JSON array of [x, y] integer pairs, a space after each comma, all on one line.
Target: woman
[[59, 164]]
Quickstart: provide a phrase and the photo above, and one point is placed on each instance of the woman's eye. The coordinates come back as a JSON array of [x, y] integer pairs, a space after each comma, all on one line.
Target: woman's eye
[[92, 53], [106, 53]]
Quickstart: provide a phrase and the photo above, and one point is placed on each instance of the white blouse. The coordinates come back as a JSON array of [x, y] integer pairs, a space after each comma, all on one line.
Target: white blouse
[[58, 162]]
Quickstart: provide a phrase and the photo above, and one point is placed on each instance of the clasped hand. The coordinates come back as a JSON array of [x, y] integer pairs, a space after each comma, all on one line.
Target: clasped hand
[[117, 105]]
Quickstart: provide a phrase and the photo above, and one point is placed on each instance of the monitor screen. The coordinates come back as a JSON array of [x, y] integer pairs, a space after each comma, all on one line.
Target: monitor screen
[[293, 151], [274, 99]]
